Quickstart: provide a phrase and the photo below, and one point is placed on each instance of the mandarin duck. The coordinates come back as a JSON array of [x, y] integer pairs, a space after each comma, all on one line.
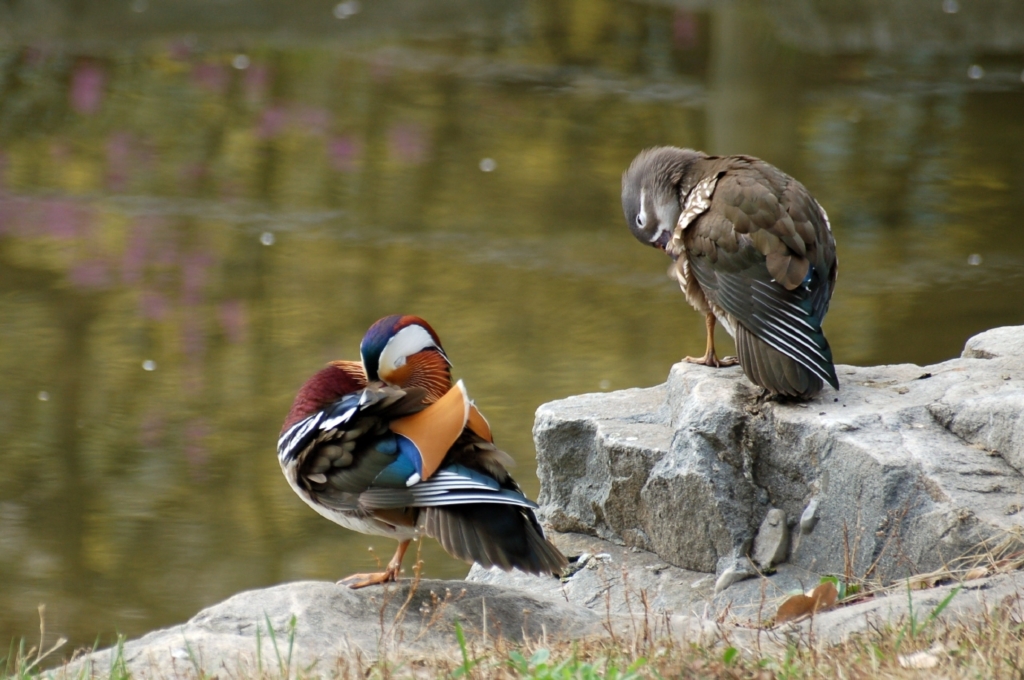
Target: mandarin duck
[[391, 447], [752, 249]]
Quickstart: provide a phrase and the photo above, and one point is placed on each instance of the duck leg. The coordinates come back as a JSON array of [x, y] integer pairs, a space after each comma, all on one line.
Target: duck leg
[[371, 579], [709, 358]]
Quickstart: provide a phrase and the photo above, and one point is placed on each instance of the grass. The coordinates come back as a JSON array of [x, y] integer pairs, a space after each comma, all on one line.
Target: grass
[[992, 646]]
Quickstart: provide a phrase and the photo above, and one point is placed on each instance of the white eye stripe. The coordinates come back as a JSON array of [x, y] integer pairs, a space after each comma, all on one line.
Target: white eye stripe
[[641, 217], [405, 343]]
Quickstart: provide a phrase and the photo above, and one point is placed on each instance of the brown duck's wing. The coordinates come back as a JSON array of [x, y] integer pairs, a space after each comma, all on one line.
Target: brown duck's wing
[[764, 253]]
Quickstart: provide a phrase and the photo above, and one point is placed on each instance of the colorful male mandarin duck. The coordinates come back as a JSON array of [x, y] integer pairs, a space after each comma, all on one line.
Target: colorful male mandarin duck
[[752, 249], [390, 447]]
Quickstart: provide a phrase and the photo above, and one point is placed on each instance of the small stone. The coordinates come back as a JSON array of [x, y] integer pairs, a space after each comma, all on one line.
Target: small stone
[[772, 540], [809, 518], [701, 582], [732, 575]]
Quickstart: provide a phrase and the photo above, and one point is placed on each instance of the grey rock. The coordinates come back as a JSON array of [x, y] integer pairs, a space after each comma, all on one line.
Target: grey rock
[[734, 570], [629, 583], [910, 466], [809, 518], [336, 625], [772, 541], [971, 604], [610, 585]]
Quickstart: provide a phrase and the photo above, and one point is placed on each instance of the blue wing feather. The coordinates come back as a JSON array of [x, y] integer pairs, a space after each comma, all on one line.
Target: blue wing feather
[[451, 485], [407, 464]]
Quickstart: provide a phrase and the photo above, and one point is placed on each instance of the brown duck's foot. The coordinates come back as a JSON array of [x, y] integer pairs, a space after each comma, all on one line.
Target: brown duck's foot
[[356, 581], [713, 361], [387, 576]]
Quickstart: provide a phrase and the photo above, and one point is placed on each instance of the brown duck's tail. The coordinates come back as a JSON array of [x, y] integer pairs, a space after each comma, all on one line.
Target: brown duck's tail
[[773, 370], [494, 535]]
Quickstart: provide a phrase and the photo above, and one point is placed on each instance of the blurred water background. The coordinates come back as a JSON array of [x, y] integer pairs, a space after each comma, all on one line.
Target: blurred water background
[[201, 202]]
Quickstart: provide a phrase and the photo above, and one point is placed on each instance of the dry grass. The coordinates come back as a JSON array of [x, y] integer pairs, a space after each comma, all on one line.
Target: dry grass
[[991, 645]]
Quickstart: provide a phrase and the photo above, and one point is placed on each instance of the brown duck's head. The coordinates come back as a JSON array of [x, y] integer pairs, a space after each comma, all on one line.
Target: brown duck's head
[[324, 388], [651, 192], [404, 351]]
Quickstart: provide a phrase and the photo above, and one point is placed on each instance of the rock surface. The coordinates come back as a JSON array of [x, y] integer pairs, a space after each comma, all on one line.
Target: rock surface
[[902, 470], [661, 494], [621, 584], [334, 624]]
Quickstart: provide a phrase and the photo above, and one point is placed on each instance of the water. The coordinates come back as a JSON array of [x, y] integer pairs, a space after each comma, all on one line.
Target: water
[[201, 204]]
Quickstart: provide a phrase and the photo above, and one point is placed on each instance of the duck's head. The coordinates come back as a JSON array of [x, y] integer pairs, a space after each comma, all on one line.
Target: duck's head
[[651, 192], [404, 351]]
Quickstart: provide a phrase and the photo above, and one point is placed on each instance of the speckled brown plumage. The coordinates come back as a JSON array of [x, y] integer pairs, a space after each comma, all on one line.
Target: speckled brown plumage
[[752, 249]]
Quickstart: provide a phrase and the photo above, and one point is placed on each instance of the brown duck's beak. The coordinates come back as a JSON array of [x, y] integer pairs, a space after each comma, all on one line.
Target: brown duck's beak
[[662, 240]]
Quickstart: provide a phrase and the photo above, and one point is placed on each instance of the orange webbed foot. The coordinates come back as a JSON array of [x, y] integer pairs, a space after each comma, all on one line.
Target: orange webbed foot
[[356, 581], [713, 361]]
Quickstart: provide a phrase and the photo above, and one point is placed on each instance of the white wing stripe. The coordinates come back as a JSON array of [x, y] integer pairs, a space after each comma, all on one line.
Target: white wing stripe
[[297, 432], [806, 361], [337, 420]]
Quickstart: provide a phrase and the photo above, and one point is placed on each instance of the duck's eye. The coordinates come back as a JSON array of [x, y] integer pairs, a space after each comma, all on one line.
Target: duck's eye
[[640, 220]]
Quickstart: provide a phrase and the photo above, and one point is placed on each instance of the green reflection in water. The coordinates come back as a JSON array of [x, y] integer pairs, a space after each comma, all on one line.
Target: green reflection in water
[[239, 227]]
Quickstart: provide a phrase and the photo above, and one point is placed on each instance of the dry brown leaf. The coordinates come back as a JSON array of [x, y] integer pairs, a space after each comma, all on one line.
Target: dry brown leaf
[[798, 606], [977, 572], [795, 607], [825, 596]]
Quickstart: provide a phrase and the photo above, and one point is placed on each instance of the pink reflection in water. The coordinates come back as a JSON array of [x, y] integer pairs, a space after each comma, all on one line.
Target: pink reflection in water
[[256, 82], [179, 50], [60, 151], [6, 215], [94, 273], [119, 152], [193, 339], [153, 305], [139, 242], [164, 251], [191, 175], [12, 214], [272, 122], [345, 152], [684, 30], [381, 69], [196, 453], [87, 88], [193, 277], [151, 429], [211, 77], [234, 321], [407, 143], [313, 120], [60, 218]]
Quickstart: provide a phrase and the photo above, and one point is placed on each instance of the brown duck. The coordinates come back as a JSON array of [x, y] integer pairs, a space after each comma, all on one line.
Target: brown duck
[[752, 249]]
